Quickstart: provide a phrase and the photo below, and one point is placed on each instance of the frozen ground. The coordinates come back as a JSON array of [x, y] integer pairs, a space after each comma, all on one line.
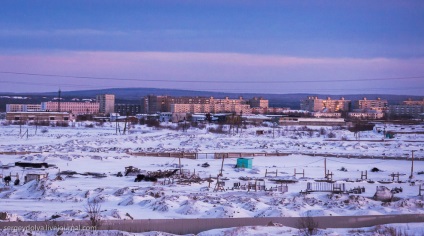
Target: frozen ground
[[99, 150]]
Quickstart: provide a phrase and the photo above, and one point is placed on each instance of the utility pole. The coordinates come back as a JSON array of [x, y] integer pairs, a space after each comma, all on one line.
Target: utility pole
[[179, 163], [116, 122], [412, 165], [58, 106]]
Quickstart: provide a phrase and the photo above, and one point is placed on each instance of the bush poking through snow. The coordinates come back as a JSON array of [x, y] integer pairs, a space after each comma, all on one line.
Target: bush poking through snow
[[307, 225], [375, 169], [93, 209]]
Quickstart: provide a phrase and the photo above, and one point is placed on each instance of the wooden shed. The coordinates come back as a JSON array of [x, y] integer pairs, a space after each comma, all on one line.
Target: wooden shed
[[244, 163], [35, 176]]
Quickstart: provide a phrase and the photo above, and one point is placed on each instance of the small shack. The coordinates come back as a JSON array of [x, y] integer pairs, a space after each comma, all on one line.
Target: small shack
[[244, 162], [35, 176]]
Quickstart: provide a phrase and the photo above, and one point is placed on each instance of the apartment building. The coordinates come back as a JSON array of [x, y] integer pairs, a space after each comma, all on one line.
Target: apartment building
[[406, 111], [23, 107], [107, 103], [154, 104], [128, 109], [367, 105], [315, 104], [413, 102], [258, 102], [76, 108], [211, 108]]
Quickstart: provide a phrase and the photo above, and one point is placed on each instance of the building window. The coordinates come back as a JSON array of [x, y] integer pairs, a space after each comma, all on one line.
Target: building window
[[51, 118], [17, 118]]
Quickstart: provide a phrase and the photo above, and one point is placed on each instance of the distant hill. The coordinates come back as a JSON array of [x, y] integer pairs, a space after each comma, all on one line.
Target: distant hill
[[133, 95]]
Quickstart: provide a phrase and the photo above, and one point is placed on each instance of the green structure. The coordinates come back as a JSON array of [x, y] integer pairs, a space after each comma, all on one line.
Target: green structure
[[244, 163]]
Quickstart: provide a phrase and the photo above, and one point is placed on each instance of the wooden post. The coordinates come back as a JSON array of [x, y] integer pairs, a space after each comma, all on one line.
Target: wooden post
[[364, 175], [179, 164], [412, 165], [325, 167], [222, 164]]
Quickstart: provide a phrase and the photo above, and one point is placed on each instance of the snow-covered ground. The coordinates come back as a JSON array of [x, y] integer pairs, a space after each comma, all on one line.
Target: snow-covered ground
[[99, 150]]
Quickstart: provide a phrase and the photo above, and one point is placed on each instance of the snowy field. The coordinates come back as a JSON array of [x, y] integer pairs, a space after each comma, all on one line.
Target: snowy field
[[97, 154]]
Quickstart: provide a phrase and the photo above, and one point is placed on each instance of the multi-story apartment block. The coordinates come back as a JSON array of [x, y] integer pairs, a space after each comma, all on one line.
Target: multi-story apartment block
[[259, 102], [367, 105], [413, 111], [412, 102], [211, 108], [107, 103], [154, 104], [314, 104], [128, 109], [76, 108], [23, 107]]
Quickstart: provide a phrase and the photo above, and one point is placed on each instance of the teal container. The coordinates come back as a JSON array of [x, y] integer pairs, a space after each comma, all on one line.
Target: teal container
[[244, 163]]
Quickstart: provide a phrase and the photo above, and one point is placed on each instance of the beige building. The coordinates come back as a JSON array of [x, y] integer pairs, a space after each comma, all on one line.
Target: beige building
[[106, 102], [211, 108], [367, 105], [412, 102], [154, 104], [76, 108], [22, 107], [315, 104], [326, 114], [370, 115]]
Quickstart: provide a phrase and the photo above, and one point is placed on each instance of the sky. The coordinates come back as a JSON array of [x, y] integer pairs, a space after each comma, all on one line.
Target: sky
[[324, 47]]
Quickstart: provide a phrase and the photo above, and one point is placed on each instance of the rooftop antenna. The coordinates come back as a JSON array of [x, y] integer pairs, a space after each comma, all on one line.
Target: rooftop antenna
[[59, 101]]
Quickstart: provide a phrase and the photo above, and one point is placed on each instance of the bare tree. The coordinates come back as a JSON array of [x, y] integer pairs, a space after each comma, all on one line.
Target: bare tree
[[93, 209], [307, 225]]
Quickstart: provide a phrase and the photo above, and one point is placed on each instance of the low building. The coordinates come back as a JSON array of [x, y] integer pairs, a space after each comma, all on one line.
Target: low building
[[37, 176], [370, 115], [327, 114], [255, 119], [314, 121], [39, 116], [165, 116]]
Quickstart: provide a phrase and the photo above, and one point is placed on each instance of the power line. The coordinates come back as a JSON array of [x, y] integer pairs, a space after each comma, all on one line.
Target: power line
[[234, 90], [358, 162], [303, 165], [210, 81]]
